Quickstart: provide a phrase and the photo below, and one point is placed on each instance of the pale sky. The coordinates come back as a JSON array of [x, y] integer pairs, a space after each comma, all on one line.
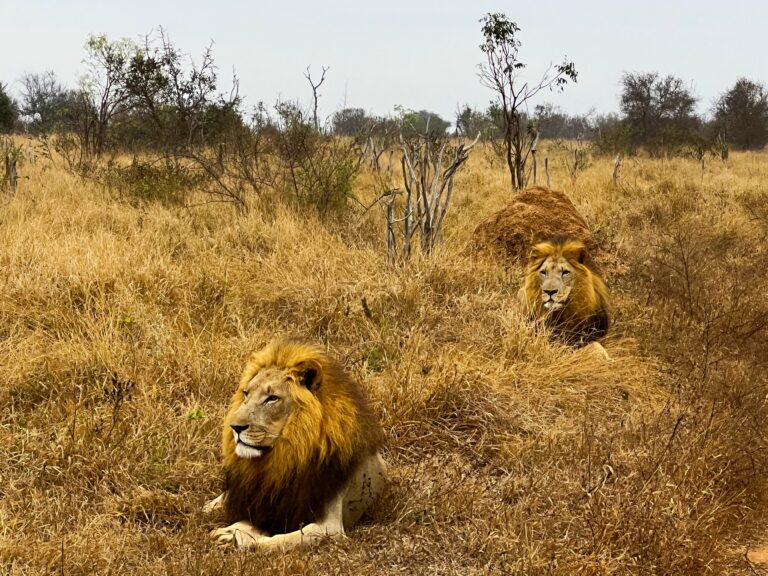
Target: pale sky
[[418, 54]]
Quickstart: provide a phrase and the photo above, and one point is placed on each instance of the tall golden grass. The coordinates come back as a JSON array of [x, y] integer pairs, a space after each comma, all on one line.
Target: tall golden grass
[[123, 329]]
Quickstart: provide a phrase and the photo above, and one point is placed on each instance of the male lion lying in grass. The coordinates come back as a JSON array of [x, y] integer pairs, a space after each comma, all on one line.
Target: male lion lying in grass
[[301, 451], [563, 292]]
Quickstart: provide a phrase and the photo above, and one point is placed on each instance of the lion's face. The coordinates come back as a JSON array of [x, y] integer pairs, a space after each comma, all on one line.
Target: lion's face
[[556, 280], [266, 404]]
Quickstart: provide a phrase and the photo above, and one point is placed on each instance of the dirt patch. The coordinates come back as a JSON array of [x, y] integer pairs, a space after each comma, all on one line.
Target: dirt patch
[[536, 215]]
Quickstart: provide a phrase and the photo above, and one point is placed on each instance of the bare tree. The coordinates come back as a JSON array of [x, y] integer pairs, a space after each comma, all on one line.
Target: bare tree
[[501, 73], [315, 95], [381, 138], [429, 164], [615, 174], [575, 156]]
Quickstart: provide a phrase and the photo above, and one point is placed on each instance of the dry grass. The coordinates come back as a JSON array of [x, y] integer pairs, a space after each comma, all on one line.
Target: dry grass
[[123, 330]]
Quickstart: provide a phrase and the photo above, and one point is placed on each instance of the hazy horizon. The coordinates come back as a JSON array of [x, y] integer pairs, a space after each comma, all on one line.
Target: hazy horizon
[[419, 55]]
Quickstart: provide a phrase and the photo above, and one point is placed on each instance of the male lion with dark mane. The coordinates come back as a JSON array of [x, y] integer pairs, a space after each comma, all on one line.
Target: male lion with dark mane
[[563, 292], [301, 451]]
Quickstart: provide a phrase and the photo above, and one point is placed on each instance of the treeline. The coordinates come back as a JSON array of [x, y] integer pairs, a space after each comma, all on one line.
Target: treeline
[[548, 120], [658, 115], [128, 105], [142, 98]]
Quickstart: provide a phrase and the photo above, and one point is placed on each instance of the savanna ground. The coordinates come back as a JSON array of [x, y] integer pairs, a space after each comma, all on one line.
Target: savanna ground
[[124, 326]]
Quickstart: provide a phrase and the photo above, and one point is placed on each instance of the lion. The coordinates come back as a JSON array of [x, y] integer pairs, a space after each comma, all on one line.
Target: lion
[[563, 291], [301, 450]]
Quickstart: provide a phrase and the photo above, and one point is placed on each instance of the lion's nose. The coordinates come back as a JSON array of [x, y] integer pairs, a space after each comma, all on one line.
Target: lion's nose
[[238, 428], [550, 292]]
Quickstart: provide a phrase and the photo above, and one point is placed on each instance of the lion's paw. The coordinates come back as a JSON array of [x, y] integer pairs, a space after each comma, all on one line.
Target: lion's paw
[[239, 534], [597, 349]]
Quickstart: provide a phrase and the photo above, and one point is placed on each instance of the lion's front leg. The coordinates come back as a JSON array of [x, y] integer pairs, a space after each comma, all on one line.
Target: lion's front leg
[[240, 534], [243, 534], [331, 525]]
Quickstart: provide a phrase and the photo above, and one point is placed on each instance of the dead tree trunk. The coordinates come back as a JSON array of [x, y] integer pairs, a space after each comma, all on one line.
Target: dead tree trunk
[[722, 146], [616, 168], [391, 246], [11, 176], [407, 216], [315, 95]]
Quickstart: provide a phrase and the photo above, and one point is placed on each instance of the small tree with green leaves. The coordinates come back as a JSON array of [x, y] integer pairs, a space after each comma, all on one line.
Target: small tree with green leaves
[[501, 72], [105, 85]]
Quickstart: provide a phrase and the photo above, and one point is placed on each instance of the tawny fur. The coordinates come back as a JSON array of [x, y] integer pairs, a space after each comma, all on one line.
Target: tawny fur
[[329, 438], [585, 316]]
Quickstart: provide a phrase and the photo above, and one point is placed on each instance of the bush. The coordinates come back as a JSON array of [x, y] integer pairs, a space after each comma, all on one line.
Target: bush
[[317, 170], [167, 183]]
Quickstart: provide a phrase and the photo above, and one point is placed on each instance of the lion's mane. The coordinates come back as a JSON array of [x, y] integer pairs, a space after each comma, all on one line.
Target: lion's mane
[[585, 317]]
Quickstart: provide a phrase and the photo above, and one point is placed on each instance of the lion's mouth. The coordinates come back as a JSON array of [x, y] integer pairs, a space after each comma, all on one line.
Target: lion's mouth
[[254, 446], [245, 450], [553, 305]]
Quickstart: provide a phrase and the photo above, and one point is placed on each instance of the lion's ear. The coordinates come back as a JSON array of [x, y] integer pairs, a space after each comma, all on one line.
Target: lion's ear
[[575, 252], [580, 254], [309, 374]]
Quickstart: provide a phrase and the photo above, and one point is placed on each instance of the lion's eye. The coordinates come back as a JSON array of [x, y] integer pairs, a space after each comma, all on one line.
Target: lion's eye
[[245, 393], [566, 272], [543, 272], [271, 399]]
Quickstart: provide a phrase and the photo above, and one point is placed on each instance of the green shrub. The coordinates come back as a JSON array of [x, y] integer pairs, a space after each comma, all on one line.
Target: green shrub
[[317, 169], [167, 183]]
